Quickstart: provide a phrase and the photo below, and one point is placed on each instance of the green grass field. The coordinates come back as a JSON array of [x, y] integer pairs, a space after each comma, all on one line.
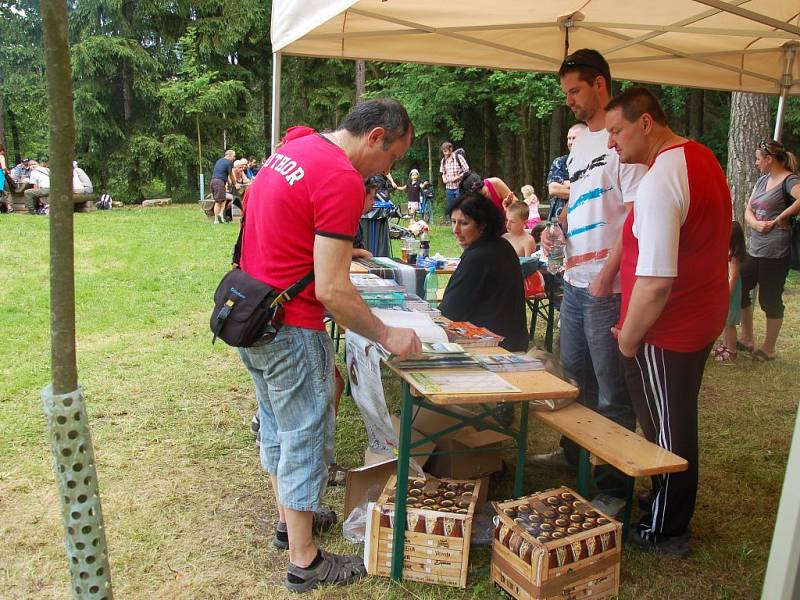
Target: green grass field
[[188, 511]]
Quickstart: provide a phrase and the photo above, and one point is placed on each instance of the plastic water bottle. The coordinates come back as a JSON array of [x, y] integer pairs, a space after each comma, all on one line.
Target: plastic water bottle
[[555, 259], [424, 245], [431, 286]]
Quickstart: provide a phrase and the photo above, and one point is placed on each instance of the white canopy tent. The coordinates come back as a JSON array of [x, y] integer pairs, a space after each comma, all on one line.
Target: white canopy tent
[[740, 45], [735, 45]]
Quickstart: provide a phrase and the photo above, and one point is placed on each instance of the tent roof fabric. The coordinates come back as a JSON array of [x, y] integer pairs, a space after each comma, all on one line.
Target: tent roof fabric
[[738, 45]]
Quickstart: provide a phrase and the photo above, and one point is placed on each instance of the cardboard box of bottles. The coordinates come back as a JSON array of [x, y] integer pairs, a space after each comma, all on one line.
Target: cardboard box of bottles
[[555, 545], [437, 530]]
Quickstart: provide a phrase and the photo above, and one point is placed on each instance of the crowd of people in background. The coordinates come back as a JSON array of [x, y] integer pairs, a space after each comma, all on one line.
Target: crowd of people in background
[[31, 177]]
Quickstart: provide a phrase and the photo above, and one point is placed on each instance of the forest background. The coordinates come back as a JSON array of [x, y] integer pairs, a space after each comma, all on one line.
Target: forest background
[[162, 88]]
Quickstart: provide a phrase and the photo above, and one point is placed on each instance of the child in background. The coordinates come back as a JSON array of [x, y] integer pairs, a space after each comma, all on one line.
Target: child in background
[[413, 189], [536, 232], [529, 197], [736, 254], [516, 216]]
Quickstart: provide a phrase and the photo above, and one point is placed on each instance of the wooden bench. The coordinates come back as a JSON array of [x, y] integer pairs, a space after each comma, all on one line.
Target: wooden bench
[[83, 202], [612, 444]]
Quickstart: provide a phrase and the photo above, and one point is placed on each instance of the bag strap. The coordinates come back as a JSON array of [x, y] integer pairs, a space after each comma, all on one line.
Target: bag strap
[[786, 195], [287, 294]]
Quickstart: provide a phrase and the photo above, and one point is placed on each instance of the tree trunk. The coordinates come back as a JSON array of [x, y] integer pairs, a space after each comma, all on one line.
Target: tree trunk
[[525, 113], [3, 121], [431, 177], [558, 137], [127, 95], [695, 113], [12, 123], [361, 80], [750, 120], [490, 166]]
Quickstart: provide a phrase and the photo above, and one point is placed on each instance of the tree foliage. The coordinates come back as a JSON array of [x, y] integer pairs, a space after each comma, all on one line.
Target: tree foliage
[[161, 87]]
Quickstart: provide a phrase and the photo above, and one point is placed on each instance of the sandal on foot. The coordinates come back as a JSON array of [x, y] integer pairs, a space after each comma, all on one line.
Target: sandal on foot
[[336, 475], [333, 569], [724, 354], [761, 356], [324, 519], [744, 347]]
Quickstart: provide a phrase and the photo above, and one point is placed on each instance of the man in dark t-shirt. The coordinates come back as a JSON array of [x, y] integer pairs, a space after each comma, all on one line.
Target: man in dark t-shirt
[[219, 178]]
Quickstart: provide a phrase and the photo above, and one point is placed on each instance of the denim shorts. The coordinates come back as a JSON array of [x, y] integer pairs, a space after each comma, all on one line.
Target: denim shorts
[[293, 376]]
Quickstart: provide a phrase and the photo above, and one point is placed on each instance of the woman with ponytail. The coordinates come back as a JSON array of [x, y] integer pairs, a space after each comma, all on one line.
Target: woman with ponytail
[[773, 203]]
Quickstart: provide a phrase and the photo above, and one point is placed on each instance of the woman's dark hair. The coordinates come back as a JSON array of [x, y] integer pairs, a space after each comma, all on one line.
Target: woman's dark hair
[[481, 210], [738, 249], [2, 148], [470, 182], [373, 182], [380, 112]]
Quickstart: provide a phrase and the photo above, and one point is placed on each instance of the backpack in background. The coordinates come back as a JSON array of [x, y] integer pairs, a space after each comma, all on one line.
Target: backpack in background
[[104, 203]]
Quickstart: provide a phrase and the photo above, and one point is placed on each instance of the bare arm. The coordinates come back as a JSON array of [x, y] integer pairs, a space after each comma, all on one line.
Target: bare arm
[[751, 221], [603, 285], [792, 210], [503, 191], [333, 288], [559, 190], [648, 299]]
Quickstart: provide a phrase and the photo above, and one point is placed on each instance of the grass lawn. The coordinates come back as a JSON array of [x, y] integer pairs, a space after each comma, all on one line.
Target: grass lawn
[[187, 509]]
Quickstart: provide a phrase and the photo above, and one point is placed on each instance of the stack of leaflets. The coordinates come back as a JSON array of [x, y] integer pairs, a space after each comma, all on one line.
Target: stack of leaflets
[[437, 355], [414, 302], [376, 291], [510, 362], [469, 335]]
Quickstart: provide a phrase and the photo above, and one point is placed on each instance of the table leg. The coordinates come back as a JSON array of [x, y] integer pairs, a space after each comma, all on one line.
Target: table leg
[[584, 473], [522, 448], [398, 539], [626, 516]]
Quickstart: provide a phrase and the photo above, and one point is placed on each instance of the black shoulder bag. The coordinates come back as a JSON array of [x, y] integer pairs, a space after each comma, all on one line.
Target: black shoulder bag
[[248, 312], [794, 227]]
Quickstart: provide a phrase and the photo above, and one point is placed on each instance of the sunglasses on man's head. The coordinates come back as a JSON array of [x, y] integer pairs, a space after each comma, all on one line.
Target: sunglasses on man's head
[[571, 63]]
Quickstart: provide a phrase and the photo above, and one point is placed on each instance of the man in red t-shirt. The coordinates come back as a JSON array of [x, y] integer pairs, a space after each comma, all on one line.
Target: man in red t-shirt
[[674, 296], [302, 213]]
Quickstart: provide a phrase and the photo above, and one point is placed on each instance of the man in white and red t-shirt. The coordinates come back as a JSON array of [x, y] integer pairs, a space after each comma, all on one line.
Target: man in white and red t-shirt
[[302, 213], [674, 296]]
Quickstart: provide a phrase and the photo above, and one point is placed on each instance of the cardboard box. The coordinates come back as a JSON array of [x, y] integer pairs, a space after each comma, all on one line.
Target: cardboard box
[[478, 453], [365, 484], [422, 454], [534, 557]]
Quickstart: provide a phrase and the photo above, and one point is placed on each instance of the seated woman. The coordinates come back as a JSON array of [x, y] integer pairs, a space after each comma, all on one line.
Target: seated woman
[[486, 288]]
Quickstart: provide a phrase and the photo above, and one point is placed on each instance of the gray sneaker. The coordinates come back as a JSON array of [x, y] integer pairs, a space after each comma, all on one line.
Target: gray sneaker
[[556, 458], [608, 504]]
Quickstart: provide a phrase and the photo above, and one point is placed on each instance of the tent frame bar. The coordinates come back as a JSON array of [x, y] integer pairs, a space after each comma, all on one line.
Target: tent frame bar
[[277, 63], [789, 55]]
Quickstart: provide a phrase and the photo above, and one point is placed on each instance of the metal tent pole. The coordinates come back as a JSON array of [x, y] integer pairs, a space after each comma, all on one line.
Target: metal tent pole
[[789, 52], [276, 99]]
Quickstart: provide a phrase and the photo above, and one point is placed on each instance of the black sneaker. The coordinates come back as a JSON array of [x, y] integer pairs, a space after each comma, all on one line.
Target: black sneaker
[[674, 545], [255, 429]]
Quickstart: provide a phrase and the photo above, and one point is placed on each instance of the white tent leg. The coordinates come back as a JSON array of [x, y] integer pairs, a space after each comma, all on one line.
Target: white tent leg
[[779, 117], [789, 53], [782, 580], [276, 99]]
